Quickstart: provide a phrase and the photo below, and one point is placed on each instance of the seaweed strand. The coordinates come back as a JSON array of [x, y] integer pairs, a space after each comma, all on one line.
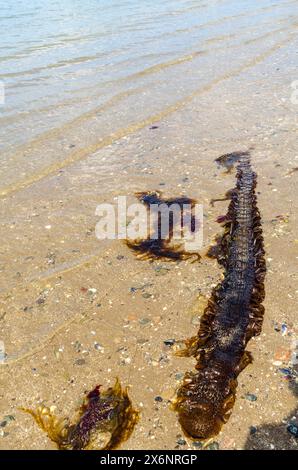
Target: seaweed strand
[[233, 315]]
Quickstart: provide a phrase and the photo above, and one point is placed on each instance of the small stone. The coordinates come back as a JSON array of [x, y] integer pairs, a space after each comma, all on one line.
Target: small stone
[[158, 398], [119, 257], [251, 397], [7, 420], [252, 430], [286, 371], [92, 290], [181, 442], [146, 295], [80, 362], [77, 346], [161, 270], [144, 321], [142, 341], [293, 429], [277, 363], [179, 375], [169, 342], [282, 355], [197, 444], [213, 446], [98, 347]]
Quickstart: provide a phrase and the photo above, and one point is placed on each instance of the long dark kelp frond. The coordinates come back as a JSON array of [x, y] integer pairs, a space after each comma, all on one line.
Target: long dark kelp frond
[[234, 315]]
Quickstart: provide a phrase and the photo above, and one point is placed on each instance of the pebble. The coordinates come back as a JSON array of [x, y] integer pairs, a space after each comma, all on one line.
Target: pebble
[[142, 341], [92, 290], [287, 372], [7, 420], [80, 362], [213, 446], [251, 397], [77, 346], [146, 295], [197, 444], [252, 430], [179, 375], [293, 429], [181, 442], [169, 342], [277, 363], [284, 329], [161, 271], [158, 398]]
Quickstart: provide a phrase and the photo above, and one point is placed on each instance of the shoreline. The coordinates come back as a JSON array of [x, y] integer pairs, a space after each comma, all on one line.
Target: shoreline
[[63, 292]]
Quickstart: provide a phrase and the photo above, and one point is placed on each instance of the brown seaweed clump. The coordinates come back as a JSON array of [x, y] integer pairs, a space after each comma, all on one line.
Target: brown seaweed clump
[[234, 315], [104, 421], [228, 160], [155, 246]]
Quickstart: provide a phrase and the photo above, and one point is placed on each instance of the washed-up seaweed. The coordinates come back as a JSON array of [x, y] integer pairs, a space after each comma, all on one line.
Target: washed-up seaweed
[[155, 246], [228, 160], [104, 421], [233, 315]]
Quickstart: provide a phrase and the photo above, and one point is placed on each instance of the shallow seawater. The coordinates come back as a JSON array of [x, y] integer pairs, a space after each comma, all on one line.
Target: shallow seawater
[[109, 98], [78, 75]]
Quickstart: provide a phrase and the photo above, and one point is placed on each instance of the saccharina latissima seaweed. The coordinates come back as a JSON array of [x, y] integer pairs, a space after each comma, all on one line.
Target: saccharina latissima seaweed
[[233, 315]]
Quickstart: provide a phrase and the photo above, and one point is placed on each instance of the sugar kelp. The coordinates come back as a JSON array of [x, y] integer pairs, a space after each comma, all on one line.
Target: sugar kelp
[[233, 315], [105, 420], [155, 246]]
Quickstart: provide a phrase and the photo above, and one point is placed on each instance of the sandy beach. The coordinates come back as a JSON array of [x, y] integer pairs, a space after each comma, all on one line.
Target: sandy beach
[[76, 311]]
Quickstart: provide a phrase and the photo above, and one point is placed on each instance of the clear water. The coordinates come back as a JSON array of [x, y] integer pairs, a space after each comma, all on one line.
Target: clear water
[[73, 62]]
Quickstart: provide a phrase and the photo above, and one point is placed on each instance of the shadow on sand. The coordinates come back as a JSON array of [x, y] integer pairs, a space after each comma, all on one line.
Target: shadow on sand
[[277, 435]]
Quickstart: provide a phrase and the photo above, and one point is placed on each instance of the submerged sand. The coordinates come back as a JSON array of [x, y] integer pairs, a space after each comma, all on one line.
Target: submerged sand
[[76, 312]]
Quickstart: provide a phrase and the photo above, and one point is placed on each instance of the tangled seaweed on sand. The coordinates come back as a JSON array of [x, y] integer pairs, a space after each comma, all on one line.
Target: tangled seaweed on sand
[[228, 160], [234, 315], [155, 246], [104, 421]]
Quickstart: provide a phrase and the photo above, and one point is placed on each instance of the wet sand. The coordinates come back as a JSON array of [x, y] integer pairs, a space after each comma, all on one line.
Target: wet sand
[[61, 339]]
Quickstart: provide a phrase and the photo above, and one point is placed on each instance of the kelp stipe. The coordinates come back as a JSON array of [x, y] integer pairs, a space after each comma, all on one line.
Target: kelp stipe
[[156, 247], [104, 421], [234, 315]]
